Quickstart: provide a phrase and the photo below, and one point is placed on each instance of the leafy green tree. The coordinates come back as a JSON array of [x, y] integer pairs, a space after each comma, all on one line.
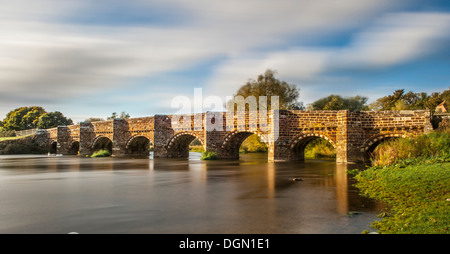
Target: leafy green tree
[[399, 100], [253, 144], [53, 119], [436, 99], [387, 102], [337, 102], [94, 119], [114, 115], [23, 118], [267, 85]]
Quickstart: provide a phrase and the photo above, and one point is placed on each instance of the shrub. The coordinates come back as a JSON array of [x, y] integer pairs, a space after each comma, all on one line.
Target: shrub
[[429, 146], [22, 145], [209, 156], [101, 153]]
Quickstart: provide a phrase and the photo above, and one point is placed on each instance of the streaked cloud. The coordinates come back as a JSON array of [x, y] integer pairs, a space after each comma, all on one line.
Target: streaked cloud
[[53, 51], [394, 39]]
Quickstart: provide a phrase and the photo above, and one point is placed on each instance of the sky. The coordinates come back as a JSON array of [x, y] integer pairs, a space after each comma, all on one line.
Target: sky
[[91, 58]]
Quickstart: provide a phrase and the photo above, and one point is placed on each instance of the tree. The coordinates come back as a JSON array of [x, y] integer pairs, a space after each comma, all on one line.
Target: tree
[[268, 85], [123, 115], [23, 118], [436, 99], [399, 100], [94, 119], [337, 102], [53, 119]]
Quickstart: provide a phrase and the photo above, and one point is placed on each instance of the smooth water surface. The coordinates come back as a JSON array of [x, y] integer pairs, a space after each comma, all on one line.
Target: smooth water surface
[[62, 194]]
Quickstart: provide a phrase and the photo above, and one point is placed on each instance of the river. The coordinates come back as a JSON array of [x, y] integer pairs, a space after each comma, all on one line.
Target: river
[[62, 194]]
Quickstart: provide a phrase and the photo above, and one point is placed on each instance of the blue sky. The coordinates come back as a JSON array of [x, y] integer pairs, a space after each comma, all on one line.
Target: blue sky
[[91, 58]]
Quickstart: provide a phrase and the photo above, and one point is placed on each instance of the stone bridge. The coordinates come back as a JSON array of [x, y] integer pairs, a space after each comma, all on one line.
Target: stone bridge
[[354, 135]]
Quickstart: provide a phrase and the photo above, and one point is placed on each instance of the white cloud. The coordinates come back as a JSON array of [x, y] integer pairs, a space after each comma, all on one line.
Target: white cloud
[[395, 39], [398, 38], [44, 57]]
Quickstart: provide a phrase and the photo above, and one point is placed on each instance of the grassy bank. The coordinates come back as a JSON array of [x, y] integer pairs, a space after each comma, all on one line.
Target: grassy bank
[[22, 145], [319, 148], [197, 149], [412, 176], [11, 138], [253, 144], [416, 193], [432, 145]]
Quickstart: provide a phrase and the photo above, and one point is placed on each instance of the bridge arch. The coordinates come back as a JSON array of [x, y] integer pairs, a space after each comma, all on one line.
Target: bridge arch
[[233, 141], [178, 145], [102, 142], [138, 145], [298, 144], [374, 141], [53, 147], [74, 147]]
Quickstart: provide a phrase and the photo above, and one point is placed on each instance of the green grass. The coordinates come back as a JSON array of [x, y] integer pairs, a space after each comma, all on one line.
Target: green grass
[[319, 148], [412, 176], [12, 138], [209, 156], [253, 144], [432, 145], [101, 153], [197, 149], [21, 145], [417, 194]]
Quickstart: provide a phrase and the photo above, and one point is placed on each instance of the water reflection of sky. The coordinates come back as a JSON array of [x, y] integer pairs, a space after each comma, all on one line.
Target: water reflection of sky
[[136, 195]]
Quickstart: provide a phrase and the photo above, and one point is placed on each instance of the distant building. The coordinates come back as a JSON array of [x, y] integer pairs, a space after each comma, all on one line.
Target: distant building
[[441, 108]]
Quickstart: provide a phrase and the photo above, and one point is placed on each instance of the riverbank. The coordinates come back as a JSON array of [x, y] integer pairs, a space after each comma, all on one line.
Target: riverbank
[[418, 195], [412, 176], [22, 145]]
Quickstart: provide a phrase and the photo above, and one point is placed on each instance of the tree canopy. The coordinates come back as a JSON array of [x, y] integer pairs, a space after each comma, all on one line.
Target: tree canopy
[[53, 119], [267, 85], [399, 100], [337, 102], [24, 118], [114, 115], [94, 119]]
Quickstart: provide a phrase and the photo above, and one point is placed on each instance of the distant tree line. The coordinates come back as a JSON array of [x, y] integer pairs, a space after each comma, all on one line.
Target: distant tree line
[[337, 102], [113, 116], [267, 85], [398, 100]]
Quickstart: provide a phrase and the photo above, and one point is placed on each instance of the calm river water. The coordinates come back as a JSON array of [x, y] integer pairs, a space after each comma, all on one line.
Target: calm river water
[[49, 194]]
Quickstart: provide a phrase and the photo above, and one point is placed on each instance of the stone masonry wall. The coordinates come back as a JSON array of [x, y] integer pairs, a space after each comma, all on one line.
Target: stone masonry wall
[[353, 134]]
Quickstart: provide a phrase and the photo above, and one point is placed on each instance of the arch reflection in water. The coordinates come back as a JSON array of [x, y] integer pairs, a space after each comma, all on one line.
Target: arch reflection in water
[[113, 195]]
